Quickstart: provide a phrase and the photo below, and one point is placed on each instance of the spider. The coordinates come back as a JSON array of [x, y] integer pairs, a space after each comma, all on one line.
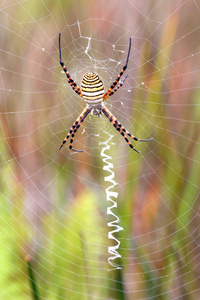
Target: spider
[[92, 91]]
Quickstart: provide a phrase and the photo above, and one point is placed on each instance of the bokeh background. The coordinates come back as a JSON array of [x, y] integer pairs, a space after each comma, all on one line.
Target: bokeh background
[[53, 203]]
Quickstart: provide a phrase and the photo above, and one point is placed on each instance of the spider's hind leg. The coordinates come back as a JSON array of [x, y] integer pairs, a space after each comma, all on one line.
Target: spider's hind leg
[[116, 124], [74, 128], [121, 129], [72, 139], [126, 139], [132, 136]]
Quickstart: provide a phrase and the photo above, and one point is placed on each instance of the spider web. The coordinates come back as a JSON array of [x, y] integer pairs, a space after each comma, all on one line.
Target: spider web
[[53, 203]]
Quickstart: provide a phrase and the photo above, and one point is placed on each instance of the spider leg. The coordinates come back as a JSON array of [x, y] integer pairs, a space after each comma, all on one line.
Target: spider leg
[[121, 129], [70, 80], [71, 143], [72, 137], [75, 127], [132, 136], [120, 74], [115, 123], [114, 90]]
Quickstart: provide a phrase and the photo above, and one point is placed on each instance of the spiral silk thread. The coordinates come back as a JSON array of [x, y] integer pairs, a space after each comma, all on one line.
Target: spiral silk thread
[[111, 196]]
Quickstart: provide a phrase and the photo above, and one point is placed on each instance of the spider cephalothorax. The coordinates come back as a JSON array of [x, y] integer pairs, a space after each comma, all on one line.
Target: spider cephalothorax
[[92, 91]]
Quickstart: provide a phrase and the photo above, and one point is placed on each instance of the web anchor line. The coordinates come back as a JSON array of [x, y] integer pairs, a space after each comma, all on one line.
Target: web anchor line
[[111, 196]]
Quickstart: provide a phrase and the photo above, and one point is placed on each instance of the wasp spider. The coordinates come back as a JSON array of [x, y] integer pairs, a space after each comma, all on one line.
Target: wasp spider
[[92, 91]]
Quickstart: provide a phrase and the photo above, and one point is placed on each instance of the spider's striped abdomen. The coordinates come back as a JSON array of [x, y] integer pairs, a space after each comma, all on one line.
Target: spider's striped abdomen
[[92, 88]]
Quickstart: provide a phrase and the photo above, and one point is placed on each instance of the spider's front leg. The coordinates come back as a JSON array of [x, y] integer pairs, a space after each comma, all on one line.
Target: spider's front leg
[[109, 91], [75, 127], [70, 80]]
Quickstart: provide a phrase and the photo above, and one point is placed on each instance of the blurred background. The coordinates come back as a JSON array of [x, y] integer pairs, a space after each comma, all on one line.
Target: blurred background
[[53, 206]]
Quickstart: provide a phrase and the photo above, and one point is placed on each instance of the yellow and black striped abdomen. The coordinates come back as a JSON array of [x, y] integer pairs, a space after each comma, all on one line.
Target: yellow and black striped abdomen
[[92, 88]]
